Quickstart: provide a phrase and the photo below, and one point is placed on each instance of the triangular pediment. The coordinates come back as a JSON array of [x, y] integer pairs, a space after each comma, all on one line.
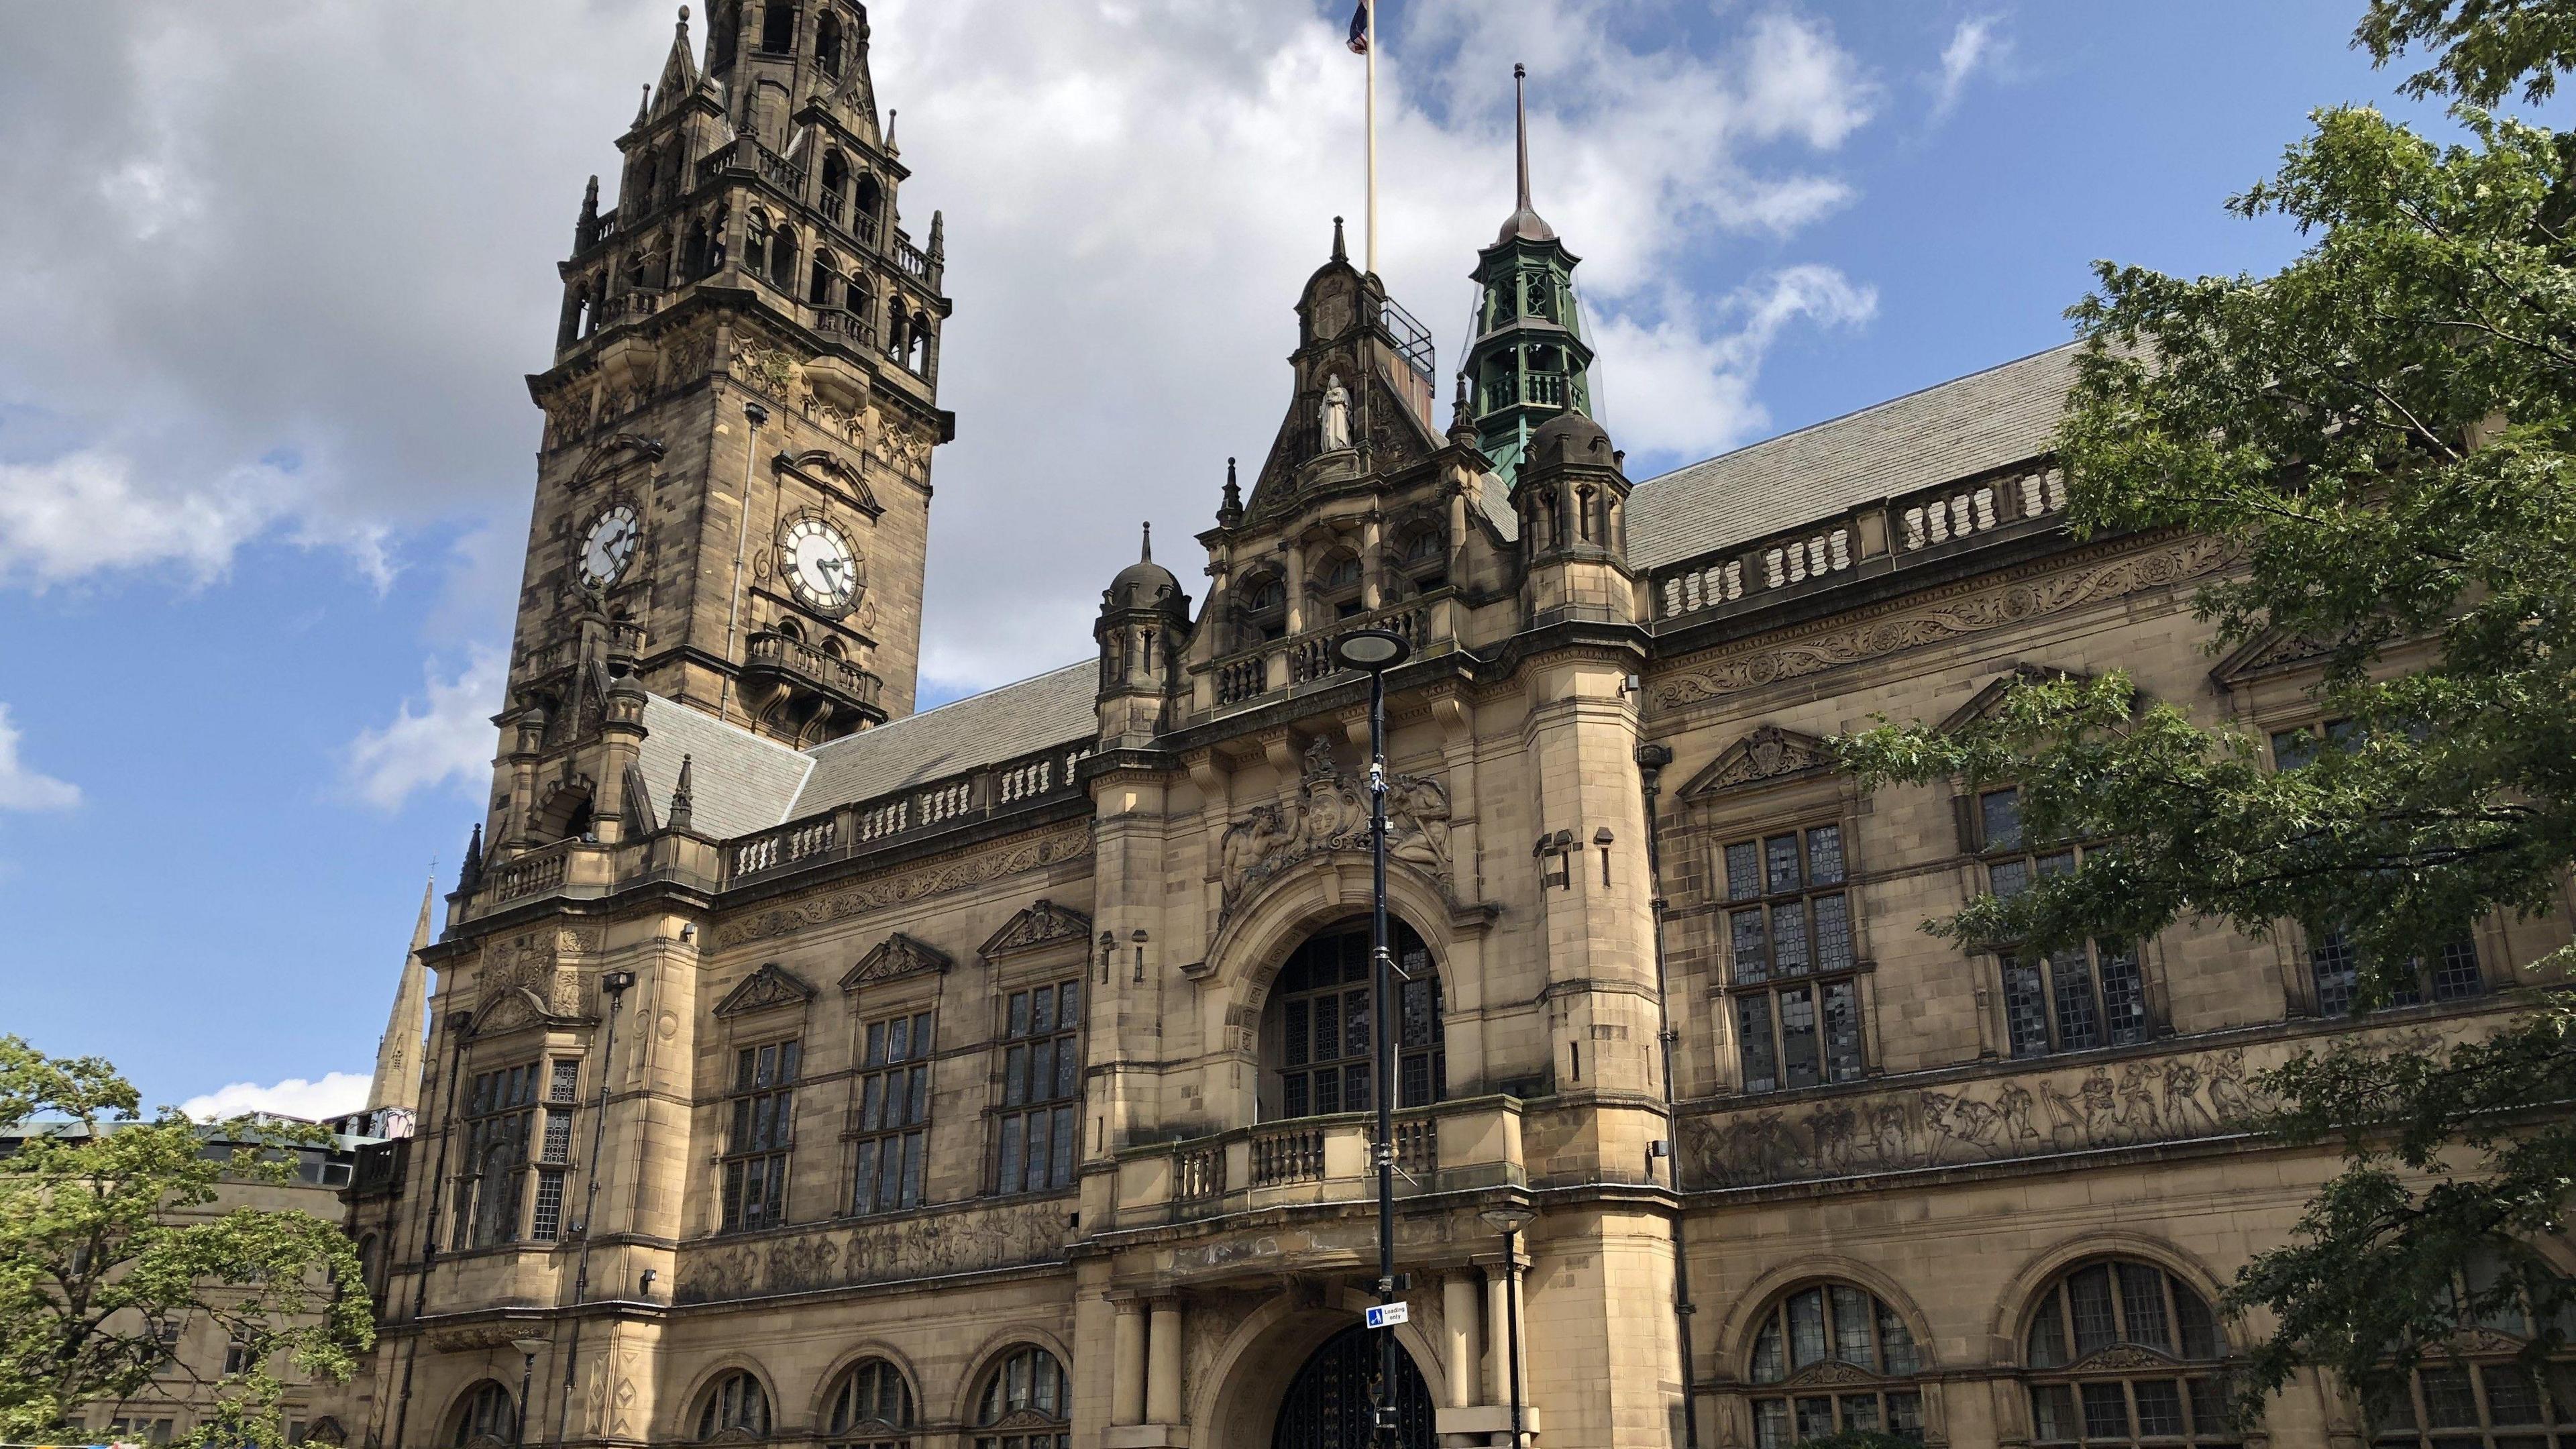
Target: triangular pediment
[[1768, 754], [2271, 651], [897, 955], [771, 985], [1043, 924], [1982, 704], [679, 71]]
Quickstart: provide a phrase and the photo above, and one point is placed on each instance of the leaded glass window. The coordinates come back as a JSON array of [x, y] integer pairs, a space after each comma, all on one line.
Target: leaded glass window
[[1789, 934], [2121, 1353], [1834, 1359]]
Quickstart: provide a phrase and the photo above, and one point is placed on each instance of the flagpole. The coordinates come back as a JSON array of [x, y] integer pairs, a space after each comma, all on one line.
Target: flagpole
[[1372, 138]]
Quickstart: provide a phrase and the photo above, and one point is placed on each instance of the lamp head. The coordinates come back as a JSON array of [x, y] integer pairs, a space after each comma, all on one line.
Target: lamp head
[[1372, 650], [1508, 1217], [529, 1346]]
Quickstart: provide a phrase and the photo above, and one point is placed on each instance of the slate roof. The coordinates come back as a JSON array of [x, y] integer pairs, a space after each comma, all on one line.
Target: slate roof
[[740, 783], [1952, 429], [982, 729]]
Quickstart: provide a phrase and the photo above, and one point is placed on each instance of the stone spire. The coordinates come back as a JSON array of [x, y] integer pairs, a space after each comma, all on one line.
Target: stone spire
[[397, 1080]]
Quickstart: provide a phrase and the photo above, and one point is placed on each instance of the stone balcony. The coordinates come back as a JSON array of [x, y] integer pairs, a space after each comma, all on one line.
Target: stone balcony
[[1278, 666], [814, 683], [1459, 1146]]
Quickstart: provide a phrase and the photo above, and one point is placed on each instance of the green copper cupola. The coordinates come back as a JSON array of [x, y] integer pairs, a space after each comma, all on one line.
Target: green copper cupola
[[1529, 360]]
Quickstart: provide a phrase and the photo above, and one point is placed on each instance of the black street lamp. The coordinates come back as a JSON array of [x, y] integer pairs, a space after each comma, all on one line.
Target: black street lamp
[[527, 1345], [1508, 1219], [1376, 651]]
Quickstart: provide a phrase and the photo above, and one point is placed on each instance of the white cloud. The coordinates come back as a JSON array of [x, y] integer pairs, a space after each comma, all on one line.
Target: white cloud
[[21, 786], [336, 1094], [1973, 46], [448, 740], [1684, 387], [86, 512]]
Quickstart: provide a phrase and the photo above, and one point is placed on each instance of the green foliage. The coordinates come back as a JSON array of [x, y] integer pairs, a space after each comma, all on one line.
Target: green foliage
[[2381, 433], [107, 1236]]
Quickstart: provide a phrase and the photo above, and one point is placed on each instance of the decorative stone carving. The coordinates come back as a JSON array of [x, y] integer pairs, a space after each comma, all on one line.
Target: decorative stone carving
[[1330, 812], [1042, 924], [1769, 753], [963, 871], [1734, 670], [770, 369], [1335, 433], [888, 1252], [897, 955], [771, 985], [2137, 1102]]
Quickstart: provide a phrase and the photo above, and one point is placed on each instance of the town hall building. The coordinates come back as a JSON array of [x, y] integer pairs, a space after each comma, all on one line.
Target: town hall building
[[807, 1069]]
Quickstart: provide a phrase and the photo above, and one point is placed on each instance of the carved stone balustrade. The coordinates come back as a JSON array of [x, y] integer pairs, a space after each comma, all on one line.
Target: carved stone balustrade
[[1453, 1147], [1426, 623]]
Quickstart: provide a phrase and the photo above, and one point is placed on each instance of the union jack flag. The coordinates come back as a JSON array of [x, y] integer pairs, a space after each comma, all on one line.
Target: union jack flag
[[1360, 28]]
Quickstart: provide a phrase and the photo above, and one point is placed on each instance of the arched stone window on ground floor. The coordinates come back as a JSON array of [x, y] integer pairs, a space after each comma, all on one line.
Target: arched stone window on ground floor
[[1317, 1033], [487, 1414], [1026, 1403], [2120, 1352], [1831, 1358], [871, 1408], [737, 1407]]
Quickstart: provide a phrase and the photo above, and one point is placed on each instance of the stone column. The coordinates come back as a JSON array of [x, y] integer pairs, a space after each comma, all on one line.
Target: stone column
[[1498, 1368], [1127, 1371], [1458, 1310], [1296, 588], [1163, 1364], [1373, 564]]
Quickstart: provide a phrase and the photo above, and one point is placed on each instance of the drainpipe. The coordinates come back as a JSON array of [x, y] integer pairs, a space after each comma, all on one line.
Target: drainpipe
[[615, 984], [754, 415], [460, 1025], [1651, 760]]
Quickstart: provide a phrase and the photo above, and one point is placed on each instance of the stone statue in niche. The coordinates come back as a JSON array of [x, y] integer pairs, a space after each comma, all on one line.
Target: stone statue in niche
[[1336, 430]]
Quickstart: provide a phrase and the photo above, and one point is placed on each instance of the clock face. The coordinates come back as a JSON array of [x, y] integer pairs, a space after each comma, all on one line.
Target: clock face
[[609, 544], [820, 565]]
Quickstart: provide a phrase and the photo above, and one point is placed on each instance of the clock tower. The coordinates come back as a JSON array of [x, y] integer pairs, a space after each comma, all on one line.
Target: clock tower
[[733, 494]]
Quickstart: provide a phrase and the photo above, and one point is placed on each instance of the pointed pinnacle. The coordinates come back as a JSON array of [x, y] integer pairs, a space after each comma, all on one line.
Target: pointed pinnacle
[[1520, 128], [1341, 252]]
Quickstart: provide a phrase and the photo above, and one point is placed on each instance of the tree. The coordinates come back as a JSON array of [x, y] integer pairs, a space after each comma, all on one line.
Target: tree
[[2381, 432], [102, 1249]]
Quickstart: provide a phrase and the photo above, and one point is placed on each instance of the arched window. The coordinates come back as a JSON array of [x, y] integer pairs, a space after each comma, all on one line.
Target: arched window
[[782, 260], [826, 272], [489, 1415], [827, 44], [917, 355], [871, 1409], [737, 1407], [693, 253], [2121, 1353], [369, 1269], [1026, 1404], [1835, 1359], [1337, 584], [755, 244], [722, 29], [836, 178], [778, 28], [1319, 1035], [1260, 610], [871, 204], [2476, 1394]]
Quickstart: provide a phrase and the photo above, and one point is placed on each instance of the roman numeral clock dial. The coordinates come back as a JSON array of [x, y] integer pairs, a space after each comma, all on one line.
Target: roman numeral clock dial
[[608, 545], [822, 569]]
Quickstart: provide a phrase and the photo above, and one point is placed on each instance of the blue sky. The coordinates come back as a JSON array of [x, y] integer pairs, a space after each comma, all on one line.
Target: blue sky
[[265, 453]]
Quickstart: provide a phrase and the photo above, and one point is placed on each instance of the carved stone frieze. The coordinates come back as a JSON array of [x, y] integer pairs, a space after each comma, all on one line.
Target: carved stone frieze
[[1330, 812], [889, 1252], [2135, 1102], [959, 872], [1733, 670]]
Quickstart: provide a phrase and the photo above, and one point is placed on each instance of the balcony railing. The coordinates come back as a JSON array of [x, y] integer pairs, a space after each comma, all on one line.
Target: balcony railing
[[1306, 658], [858, 327], [777, 654], [1453, 1147], [1019, 783], [749, 155], [1882, 535]]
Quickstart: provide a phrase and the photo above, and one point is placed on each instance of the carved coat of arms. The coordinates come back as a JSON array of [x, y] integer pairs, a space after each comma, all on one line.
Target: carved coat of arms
[[1330, 812]]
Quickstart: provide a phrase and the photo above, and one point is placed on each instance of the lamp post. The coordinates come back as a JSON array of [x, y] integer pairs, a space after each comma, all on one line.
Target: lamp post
[[1508, 1219], [1375, 651], [527, 1345]]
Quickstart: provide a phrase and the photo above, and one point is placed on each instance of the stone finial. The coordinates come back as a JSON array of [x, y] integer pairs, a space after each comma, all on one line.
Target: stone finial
[[891, 148], [1148, 556], [684, 796], [1230, 512], [1341, 250], [938, 233], [470, 875]]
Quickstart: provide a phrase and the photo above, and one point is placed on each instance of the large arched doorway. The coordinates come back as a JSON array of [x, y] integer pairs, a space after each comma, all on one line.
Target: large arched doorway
[[1328, 1405], [1318, 1040]]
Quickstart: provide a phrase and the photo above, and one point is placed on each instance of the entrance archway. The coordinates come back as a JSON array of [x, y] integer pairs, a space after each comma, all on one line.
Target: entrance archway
[[1327, 1406]]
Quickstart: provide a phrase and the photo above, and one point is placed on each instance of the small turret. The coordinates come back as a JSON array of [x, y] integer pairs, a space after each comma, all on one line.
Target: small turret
[[1529, 359], [1144, 620], [1572, 497]]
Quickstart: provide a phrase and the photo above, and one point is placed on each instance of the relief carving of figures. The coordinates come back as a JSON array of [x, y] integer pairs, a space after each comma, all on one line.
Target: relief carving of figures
[[1330, 812], [928, 1246], [2073, 1109]]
